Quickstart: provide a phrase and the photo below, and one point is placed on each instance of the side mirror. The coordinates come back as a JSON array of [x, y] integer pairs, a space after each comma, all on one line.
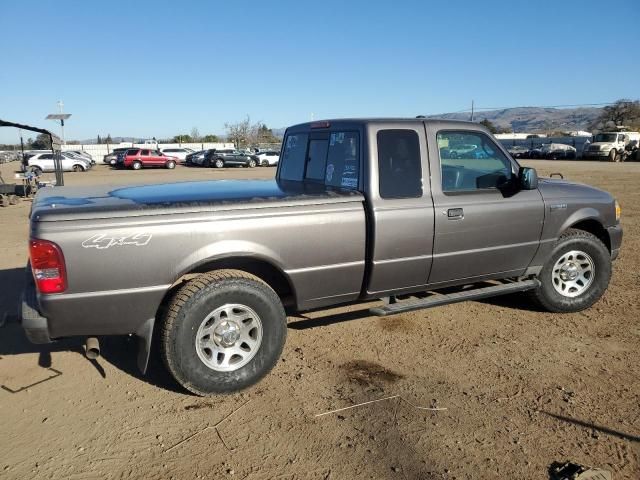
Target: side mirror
[[528, 178]]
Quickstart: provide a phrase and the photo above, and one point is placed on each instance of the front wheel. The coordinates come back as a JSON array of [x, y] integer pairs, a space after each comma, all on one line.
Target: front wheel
[[171, 165], [219, 163], [252, 163], [576, 274], [223, 332], [78, 168], [613, 155], [136, 165]]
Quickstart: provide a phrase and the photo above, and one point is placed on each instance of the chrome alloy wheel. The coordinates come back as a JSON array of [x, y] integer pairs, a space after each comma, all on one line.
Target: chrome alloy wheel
[[573, 273], [229, 337]]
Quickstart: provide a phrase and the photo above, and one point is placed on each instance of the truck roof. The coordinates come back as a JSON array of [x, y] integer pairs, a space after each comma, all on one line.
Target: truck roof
[[372, 120]]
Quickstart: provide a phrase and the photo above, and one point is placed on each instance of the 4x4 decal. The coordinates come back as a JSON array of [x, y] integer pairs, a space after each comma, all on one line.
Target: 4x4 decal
[[102, 240]]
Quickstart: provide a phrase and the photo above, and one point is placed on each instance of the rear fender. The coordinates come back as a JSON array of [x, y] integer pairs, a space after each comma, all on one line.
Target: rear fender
[[228, 249]]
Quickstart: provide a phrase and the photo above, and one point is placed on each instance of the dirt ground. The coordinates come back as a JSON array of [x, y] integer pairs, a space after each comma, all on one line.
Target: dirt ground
[[522, 388]]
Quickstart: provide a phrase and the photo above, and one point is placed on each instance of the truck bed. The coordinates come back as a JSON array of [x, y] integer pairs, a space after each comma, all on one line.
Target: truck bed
[[75, 203]]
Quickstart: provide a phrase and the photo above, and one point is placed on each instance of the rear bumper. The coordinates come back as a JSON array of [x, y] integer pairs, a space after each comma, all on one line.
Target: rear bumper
[[615, 237], [36, 327]]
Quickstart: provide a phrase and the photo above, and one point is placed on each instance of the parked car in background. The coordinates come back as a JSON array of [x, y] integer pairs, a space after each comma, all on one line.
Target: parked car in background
[[83, 154], [536, 153], [74, 154], [558, 151], [30, 153], [113, 156], [137, 158], [228, 158], [199, 156], [518, 151], [179, 152], [43, 162], [268, 158]]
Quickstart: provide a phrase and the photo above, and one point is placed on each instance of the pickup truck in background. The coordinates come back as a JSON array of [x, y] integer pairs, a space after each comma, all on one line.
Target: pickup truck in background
[[360, 210]]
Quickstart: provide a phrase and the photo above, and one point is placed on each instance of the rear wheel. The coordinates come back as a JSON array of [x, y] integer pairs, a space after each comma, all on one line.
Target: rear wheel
[[223, 332], [264, 163], [136, 165], [252, 163], [171, 165], [36, 170], [576, 274]]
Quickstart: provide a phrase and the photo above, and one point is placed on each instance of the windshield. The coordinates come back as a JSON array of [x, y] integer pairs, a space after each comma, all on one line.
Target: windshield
[[605, 137]]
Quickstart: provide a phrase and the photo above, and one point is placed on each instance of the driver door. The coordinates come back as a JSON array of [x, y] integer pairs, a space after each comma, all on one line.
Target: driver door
[[484, 226]]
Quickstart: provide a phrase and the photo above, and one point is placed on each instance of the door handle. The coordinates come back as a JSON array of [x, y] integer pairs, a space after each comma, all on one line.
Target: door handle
[[455, 214]]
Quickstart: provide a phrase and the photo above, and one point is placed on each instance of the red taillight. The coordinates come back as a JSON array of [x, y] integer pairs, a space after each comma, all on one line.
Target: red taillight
[[47, 264], [320, 125]]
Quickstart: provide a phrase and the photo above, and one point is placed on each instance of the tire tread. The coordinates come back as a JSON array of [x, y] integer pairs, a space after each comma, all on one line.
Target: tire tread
[[185, 293]]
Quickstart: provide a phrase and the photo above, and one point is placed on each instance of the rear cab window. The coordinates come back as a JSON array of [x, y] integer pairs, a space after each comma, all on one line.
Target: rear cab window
[[331, 158], [399, 164]]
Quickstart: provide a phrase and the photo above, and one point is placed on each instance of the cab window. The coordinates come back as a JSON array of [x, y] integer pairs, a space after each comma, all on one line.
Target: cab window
[[471, 161], [332, 158], [399, 164]]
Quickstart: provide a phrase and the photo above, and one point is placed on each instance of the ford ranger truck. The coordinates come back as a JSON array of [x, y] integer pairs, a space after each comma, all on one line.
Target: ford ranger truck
[[359, 210]]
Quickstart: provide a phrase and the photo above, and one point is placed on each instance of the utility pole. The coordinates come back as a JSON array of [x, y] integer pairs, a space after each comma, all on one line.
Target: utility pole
[[21, 144], [472, 106]]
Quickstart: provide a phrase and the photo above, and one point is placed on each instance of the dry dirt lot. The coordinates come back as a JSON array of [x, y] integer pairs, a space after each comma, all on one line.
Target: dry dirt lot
[[521, 388]]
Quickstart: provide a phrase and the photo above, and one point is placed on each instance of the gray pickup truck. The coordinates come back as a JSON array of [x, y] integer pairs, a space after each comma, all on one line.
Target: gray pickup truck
[[360, 210]]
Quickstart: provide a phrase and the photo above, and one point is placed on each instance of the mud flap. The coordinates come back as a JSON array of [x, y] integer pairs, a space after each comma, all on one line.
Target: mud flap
[[144, 334]]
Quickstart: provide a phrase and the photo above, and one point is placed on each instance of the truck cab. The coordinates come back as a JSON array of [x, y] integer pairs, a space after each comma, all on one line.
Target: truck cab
[[438, 210]]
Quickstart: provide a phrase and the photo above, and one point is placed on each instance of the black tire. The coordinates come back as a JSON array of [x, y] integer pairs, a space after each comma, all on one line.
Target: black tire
[[171, 165], [136, 165], [574, 240], [37, 171], [219, 163], [252, 163], [264, 163], [78, 168], [613, 155], [193, 303]]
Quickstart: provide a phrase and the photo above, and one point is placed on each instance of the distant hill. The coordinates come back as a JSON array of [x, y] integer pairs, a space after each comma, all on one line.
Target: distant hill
[[533, 119]]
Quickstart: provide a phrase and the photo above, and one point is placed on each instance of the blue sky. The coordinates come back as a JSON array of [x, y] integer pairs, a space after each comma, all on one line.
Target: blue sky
[[159, 68]]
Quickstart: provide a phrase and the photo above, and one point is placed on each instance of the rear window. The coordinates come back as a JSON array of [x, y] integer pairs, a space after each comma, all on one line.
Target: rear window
[[132, 152], [293, 157], [332, 158]]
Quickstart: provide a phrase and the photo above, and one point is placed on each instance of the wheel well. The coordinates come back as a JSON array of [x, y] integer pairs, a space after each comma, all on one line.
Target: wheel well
[[595, 228], [267, 272]]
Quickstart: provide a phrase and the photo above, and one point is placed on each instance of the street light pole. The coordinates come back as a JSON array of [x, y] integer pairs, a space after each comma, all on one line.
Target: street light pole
[[61, 106]]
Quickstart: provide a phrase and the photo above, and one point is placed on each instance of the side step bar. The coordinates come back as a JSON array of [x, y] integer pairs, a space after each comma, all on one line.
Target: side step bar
[[438, 300]]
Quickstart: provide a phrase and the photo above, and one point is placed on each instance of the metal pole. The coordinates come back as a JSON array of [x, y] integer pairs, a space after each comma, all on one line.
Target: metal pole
[[60, 106]]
